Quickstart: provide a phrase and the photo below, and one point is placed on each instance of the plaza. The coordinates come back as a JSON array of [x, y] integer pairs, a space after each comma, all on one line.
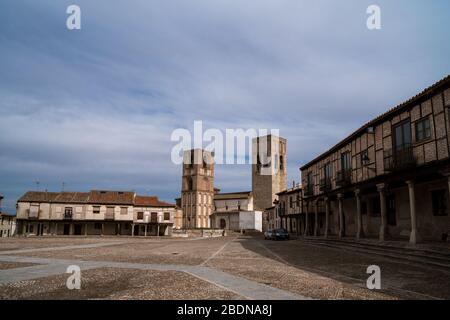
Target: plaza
[[232, 267]]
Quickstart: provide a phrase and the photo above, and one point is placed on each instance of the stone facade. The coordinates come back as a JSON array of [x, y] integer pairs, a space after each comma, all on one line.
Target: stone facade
[[288, 210], [234, 211], [93, 213], [197, 190], [268, 170], [7, 225], [390, 178]]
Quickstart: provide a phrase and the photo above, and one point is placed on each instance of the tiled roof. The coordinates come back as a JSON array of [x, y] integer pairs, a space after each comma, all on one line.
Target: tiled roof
[[291, 190], [441, 84], [111, 197], [151, 201], [6, 214], [38, 196], [71, 197], [94, 197]]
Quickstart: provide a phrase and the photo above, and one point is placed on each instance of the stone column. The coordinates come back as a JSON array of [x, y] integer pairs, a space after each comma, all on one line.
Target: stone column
[[327, 214], [382, 191], [340, 196], [316, 218], [413, 237], [56, 228], [103, 229], [157, 231], [359, 230], [306, 220], [132, 229], [145, 230], [85, 229]]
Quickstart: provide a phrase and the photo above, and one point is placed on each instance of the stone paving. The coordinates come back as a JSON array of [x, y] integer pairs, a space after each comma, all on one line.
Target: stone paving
[[218, 268]]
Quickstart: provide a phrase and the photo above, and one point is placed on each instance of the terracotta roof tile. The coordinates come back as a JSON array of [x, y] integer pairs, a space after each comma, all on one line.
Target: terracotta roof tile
[[111, 197], [95, 197], [151, 201]]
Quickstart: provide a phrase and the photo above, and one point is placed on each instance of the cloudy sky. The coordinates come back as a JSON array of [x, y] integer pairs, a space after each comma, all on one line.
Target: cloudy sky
[[95, 107]]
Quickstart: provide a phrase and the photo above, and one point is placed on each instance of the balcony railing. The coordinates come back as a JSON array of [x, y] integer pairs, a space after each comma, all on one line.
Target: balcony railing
[[325, 184], [344, 177], [395, 160], [308, 190], [68, 216]]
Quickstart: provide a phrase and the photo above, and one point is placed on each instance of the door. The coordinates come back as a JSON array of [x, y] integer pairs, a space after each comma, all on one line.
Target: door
[[77, 229], [402, 136], [223, 224], [391, 212], [66, 229]]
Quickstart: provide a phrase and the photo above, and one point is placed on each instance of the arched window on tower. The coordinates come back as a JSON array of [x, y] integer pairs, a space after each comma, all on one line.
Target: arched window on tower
[[190, 184]]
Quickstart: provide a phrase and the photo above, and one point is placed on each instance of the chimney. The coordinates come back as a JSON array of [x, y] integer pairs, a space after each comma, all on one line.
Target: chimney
[[293, 184]]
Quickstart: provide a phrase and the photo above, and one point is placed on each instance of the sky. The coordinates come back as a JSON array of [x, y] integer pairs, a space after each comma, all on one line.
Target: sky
[[95, 108]]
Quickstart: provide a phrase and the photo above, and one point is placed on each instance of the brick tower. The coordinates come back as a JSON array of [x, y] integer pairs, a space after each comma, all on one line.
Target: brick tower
[[197, 190], [269, 171]]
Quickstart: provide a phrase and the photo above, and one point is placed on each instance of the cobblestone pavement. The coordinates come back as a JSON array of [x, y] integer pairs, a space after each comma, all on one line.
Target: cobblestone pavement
[[218, 268]]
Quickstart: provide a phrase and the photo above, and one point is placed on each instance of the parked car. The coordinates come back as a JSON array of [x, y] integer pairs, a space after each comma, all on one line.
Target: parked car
[[281, 234], [268, 235]]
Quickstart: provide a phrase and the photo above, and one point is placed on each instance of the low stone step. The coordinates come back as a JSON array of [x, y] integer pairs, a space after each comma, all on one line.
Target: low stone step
[[438, 260]]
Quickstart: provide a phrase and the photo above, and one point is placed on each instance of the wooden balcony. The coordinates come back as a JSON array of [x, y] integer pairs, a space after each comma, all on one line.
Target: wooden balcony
[[68, 216], [344, 177], [325, 184], [308, 190], [396, 160]]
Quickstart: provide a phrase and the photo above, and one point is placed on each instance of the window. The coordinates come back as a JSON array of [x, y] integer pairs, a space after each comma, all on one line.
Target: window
[[192, 158], [281, 163], [309, 179], [123, 210], [68, 211], [140, 215], [345, 161], [34, 211], [291, 202], [327, 171], [402, 137], [365, 157], [439, 202], [423, 129], [166, 216], [96, 210]]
